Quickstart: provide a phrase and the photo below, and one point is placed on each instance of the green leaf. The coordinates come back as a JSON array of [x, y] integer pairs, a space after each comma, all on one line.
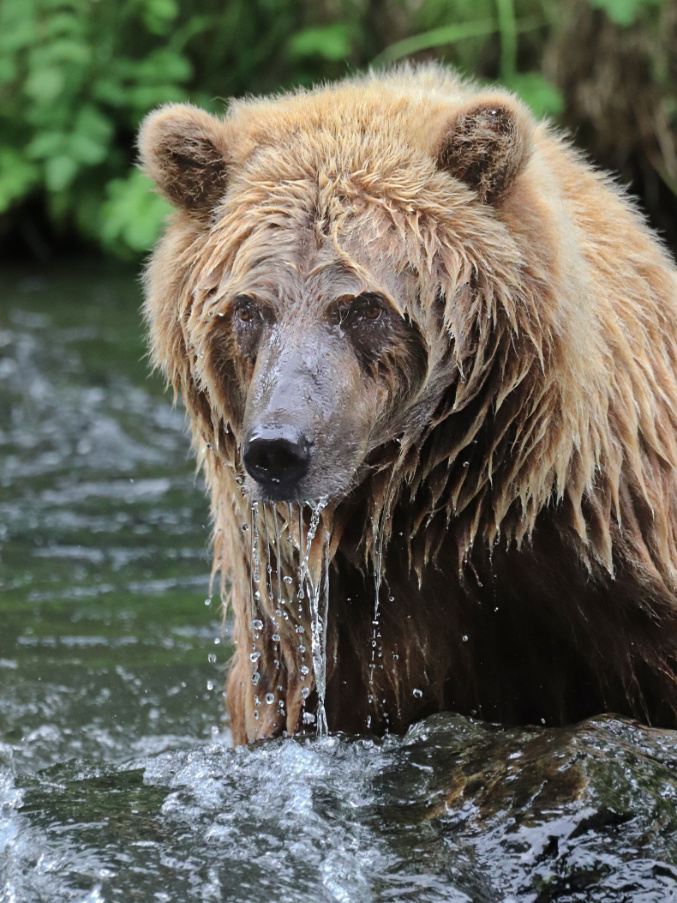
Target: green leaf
[[332, 42], [47, 144], [60, 172], [148, 96], [537, 92], [451, 34], [163, 67], [133, 215], [45, 84], [91, 123], [69, 51], [8, 69], [623, 12], [109, 90], [436, 37], [18, 176], [18, 28], [159, 15]]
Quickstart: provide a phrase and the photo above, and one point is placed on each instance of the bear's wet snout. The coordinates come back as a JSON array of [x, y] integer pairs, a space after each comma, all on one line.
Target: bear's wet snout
[[278, 459]]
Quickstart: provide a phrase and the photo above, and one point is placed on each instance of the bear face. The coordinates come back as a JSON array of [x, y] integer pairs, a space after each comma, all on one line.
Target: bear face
[[403, 300], [326, 369], [334, 343]]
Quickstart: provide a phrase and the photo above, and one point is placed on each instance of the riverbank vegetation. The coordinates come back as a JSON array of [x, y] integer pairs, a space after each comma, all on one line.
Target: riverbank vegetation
[[77, 77]]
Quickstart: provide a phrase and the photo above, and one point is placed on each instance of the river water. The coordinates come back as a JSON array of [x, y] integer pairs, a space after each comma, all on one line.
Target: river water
[[117, 779]]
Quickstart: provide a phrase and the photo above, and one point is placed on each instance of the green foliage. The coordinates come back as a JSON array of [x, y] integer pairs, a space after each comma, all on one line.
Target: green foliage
[[330, 42], [132, 214], [77, 77], [623, 12]]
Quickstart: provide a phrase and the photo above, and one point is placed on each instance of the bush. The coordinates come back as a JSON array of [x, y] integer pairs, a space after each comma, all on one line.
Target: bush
[[77, 77]]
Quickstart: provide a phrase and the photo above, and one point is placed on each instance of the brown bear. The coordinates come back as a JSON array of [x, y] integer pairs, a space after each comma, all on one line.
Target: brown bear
[[429, 357]]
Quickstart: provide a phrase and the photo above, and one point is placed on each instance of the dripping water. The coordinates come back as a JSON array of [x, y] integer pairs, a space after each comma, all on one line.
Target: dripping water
[[255, 593], [316, 591], [254, 597], [378, 532], [317, 594]]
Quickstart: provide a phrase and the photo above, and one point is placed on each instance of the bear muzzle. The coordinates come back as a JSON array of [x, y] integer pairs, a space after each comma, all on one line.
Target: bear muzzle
[[278, 459]]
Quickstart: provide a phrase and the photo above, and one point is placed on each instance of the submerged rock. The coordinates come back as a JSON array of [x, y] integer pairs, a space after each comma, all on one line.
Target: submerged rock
[[586, 813]]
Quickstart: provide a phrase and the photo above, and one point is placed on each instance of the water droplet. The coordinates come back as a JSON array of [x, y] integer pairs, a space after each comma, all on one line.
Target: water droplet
[[256, 714], [270, 699], [302, 649], [417, 693], [254, 656], [211, 658], [257, 595], [287, 579], [308, 718], [391, 598], [305, 692], [245, 526], [256, 677], [276, 637], [304, 669], [464, 638], [210, 685], [208, 602], [257, 624]]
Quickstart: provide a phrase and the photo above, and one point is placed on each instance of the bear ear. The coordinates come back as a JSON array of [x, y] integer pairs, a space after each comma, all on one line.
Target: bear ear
[[183, 150], [486, 146]]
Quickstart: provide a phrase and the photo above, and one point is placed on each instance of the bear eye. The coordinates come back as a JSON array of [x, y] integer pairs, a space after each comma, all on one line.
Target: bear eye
[[246, 310], [368, 307]]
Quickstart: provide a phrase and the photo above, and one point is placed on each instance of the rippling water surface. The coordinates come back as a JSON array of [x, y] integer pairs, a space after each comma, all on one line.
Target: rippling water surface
[[117, 780]]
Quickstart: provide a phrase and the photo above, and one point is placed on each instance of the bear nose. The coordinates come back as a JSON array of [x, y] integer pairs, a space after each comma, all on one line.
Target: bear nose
[[276, 458]]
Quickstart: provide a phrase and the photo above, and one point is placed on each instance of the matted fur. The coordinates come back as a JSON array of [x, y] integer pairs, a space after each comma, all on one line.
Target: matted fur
[[523, 489]]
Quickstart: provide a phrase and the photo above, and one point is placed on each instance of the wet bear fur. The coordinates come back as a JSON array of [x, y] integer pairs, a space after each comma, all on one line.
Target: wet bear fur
[[494, 427]]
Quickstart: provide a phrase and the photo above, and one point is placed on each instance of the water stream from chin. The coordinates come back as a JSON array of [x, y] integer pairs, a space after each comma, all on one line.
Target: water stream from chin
[[311, 544]]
